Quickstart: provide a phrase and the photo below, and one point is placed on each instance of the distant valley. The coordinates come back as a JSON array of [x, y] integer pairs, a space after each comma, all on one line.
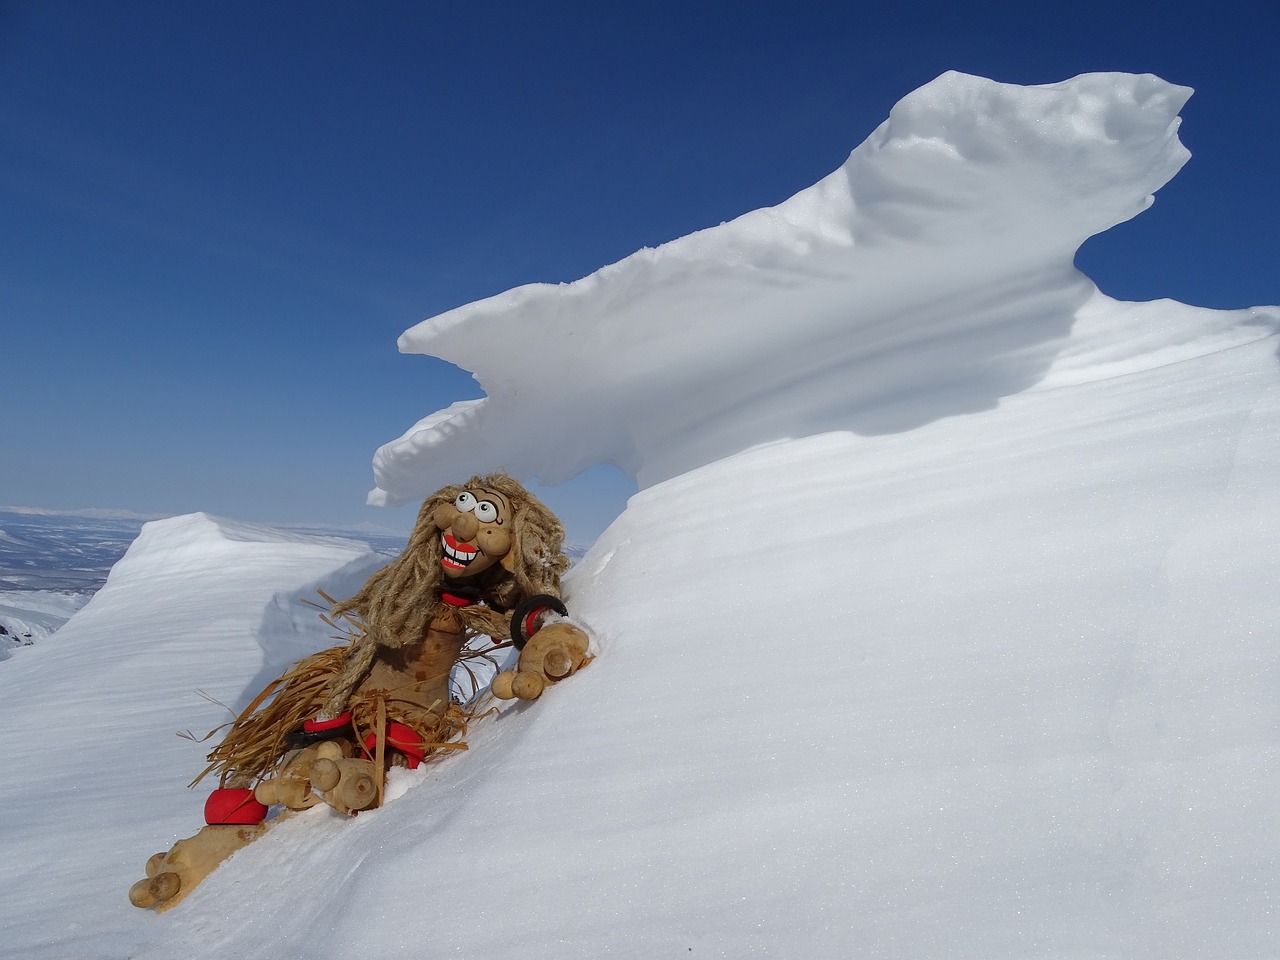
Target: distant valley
[[52, 563]]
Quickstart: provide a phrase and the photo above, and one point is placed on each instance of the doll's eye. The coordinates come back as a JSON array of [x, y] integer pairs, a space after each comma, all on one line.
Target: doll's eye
[[465, 503], [486, 511]]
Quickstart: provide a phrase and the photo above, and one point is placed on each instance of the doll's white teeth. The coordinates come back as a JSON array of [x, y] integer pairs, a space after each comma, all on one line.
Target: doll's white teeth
[[458, 555]]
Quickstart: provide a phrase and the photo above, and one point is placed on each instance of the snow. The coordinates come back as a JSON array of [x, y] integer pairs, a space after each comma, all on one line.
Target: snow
[[930, 275], [943, 625]]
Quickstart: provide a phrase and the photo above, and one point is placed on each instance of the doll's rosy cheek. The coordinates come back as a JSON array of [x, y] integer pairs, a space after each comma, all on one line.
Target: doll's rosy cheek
[[495, 541]]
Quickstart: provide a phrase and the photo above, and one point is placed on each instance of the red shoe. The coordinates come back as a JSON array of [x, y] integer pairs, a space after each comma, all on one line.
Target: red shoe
[[233, 805]]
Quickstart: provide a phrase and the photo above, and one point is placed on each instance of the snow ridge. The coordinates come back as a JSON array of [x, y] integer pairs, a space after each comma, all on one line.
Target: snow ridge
[[929, 276]]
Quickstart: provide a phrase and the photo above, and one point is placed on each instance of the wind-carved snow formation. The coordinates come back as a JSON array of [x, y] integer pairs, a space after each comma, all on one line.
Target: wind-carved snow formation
[[930, 275], [1002, 685]]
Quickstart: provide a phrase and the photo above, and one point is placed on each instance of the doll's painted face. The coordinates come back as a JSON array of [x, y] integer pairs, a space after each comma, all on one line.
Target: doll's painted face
[[475, 532]]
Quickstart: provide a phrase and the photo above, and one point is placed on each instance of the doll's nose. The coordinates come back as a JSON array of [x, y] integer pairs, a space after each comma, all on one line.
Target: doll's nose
[[465, 526]]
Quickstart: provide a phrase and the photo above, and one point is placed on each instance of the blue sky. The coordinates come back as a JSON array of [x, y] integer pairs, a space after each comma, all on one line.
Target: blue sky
[[216, 218]]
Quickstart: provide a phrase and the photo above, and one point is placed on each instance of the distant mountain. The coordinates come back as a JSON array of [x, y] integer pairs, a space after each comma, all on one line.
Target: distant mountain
[[57, 551], [74, 552], [51, 563]]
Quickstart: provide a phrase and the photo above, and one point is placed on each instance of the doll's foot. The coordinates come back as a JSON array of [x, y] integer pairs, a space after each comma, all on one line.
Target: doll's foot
[[322, 773], [346, 784], [295, 785], [171, 876]]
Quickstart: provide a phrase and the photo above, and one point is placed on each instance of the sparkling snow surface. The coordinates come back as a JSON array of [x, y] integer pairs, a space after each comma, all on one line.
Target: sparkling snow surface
[[945, 624]]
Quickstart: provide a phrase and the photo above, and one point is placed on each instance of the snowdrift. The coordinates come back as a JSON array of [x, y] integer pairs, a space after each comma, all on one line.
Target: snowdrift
[[930, 275], [944, 624]]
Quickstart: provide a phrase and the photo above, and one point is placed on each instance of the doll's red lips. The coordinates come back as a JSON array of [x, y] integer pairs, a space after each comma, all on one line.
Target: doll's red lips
[[456, 555]]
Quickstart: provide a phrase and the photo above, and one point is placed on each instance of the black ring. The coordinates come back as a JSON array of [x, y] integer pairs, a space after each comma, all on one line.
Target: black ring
[[526, 607]]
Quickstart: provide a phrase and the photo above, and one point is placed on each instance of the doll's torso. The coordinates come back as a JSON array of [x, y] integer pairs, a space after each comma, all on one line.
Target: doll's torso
[[413, 679]]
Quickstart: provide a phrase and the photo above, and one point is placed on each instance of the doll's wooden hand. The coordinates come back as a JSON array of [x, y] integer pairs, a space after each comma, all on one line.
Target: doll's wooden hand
[[553, 653]]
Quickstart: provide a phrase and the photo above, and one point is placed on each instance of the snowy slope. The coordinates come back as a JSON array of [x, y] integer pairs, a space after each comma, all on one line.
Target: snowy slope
[[198, 607], [988, 672], [1001, 687]]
